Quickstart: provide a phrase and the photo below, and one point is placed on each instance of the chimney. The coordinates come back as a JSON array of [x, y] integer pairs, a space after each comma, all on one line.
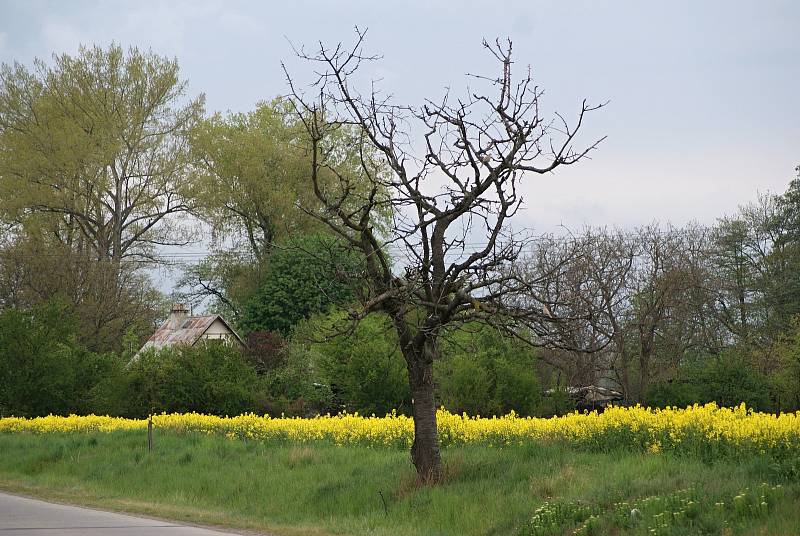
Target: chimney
[[178, 315]]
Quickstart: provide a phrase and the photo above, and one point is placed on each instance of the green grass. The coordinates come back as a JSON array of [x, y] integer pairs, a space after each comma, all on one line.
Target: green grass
[[324, 489]]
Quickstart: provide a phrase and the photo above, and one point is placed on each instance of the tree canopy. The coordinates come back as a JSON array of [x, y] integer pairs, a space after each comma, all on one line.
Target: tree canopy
[[307, 275], [253, 175], [94, 171], [93, 149]]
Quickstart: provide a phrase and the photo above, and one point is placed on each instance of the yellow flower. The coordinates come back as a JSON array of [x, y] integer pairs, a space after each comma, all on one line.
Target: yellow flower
[[691, 430]]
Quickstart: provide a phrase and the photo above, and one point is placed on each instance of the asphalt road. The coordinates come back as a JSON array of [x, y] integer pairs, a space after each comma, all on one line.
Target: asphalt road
[[29, 517]]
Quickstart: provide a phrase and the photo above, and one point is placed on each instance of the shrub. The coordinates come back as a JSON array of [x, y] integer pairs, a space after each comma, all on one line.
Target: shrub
[[481, 371], [296, 387], [209, 377], [465, 385], [266, 350], [364, 369], [786, 378], [727, 379], [42, 368], [556, 402]]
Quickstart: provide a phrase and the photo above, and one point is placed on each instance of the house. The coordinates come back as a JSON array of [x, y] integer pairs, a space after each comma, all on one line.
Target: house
[[180, 328]]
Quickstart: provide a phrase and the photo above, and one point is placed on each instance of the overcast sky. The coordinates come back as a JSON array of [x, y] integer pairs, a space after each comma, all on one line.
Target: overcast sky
[[704, 101]]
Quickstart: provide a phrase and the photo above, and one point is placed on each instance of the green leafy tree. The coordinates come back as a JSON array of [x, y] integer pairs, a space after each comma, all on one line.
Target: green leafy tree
[[728, 379], [254, 170], [786, 376], [783, 262], [94, 170], [253, 191], [308, 275], [95, 149], [756, 263], [465, 385], [483, 371], [296, 387], [737, 256]]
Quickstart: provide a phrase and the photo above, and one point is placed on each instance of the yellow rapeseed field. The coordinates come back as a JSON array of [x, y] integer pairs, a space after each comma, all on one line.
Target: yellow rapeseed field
[[707, 430]]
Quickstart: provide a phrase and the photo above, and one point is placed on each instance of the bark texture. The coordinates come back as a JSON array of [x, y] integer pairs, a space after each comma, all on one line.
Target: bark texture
[[425, 453]]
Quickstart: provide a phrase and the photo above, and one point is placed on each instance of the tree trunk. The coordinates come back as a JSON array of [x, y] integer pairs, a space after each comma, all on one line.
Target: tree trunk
[[425, 451]]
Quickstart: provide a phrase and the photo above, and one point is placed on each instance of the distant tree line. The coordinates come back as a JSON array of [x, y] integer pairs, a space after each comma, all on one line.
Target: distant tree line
[[685, 314]]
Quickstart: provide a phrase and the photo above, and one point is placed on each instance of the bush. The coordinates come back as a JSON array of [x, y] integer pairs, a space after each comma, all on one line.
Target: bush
[[296, 387], [364, 369], [516, 385], [266, 350], [727, 379], [556, 402], [209, 377], [786, 378], [43, 369], [465, 385], [481, 371]]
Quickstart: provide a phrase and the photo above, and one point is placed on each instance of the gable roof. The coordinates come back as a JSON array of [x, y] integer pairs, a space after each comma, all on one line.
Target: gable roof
[[188, 332]]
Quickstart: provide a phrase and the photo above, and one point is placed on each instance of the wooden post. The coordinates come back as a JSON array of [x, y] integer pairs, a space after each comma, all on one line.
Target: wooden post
[[150, 433]]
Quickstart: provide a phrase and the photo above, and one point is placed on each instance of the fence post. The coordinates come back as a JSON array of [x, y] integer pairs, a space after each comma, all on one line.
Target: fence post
[[150, 433]]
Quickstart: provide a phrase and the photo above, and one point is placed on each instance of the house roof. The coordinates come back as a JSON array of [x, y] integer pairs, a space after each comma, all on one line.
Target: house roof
[[188, 332]]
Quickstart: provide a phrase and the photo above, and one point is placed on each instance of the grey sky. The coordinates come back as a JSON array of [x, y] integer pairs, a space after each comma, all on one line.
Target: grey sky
[[704, 95]]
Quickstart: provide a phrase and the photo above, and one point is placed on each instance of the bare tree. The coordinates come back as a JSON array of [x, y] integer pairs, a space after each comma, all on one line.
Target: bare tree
[[591, 290], [459, 187], [661, 321], [640, 297], [107, 304]]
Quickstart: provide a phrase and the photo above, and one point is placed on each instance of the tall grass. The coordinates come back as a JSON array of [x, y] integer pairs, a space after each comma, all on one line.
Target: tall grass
[[328, 489]]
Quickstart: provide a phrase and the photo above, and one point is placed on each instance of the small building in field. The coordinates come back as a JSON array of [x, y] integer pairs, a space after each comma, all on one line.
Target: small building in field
[[181, 328], [591, 397]]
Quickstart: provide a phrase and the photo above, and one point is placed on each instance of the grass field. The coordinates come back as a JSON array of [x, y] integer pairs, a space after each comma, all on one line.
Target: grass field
[[321, 488]]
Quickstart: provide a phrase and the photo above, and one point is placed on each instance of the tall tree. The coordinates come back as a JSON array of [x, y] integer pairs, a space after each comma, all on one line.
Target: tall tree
[[462, 186], [254, 175], [93, 149], [94, 166], [638, 297], [737, 257], [593, 272], [783, 262], [755, 259], [252, 188], [307, 275], [664, 319]]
